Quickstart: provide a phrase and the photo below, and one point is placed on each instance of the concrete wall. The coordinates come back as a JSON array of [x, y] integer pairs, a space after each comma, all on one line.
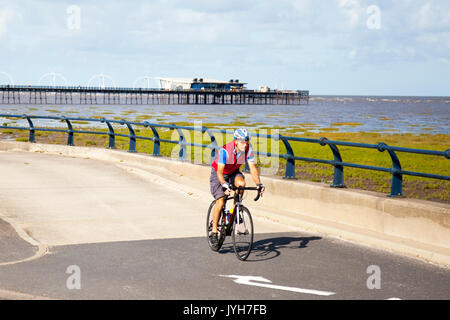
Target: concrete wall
[[416, 228]]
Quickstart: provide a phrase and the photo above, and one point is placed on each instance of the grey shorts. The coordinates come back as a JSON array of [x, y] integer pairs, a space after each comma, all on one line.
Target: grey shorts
[[216, 187]]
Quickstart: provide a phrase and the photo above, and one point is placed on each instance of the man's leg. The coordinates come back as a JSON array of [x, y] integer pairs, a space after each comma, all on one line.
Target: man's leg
[[218, 194], [239, 181], [216, 213]]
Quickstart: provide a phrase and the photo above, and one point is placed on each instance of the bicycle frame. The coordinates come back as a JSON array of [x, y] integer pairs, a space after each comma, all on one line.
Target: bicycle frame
[[238, 203]]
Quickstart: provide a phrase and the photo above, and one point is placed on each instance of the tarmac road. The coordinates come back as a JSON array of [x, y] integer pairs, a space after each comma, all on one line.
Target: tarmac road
[[110, 231]]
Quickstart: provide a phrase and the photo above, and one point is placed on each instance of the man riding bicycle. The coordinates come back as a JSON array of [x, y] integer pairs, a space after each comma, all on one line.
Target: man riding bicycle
[[225, 173]]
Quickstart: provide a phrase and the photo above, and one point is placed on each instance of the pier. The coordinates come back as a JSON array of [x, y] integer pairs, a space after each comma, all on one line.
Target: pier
[[17, 94]]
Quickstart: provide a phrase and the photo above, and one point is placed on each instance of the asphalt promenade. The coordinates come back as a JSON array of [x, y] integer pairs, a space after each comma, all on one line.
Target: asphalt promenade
[[79, 228]]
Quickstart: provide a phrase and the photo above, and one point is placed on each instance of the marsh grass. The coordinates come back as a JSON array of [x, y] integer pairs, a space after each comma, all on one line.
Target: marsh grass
[[351, 124], [53, 111], [80, 122]]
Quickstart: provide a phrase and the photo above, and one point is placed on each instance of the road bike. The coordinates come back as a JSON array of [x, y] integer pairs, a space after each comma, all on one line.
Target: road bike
[[235, 221]]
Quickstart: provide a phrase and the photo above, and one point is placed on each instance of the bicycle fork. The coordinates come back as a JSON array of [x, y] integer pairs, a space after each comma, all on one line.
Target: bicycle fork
[[240, 218], [238, 215]]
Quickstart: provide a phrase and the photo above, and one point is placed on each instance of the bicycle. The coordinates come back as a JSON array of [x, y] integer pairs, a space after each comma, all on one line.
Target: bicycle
[[239, 226]]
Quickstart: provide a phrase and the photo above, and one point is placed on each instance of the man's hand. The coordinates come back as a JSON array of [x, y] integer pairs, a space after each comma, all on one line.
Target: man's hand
[[261, 188], [226, 188]]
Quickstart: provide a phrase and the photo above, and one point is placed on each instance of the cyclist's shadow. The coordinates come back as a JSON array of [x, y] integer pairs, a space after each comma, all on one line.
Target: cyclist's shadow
[[267, 249]]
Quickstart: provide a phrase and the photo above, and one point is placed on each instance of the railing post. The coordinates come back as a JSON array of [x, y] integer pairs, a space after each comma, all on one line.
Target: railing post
[[396, 171], [156, 141], [214, 147], [132, 147], [182, 154], [338, 179], [289, 156], [69, 131], [112, 140], [30, 123]]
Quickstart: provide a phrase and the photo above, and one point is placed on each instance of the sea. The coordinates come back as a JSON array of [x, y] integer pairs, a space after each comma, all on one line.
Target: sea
[[415, 115]]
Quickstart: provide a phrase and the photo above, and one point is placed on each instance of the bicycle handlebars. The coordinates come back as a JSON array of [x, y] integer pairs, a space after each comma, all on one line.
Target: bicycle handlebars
[[247, 188]]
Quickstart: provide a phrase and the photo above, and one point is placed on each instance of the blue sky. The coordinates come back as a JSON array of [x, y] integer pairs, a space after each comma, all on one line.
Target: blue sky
[[336, 47]]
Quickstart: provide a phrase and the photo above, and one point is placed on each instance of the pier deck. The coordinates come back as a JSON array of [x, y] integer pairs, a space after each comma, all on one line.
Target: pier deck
[[96, 95]]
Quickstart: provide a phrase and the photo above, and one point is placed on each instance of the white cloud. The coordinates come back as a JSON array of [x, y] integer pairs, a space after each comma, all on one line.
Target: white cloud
[[434, 17], [352, 10], [352, 54], [6, 17]]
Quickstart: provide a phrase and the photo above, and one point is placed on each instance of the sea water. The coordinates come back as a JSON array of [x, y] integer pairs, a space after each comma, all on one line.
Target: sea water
[[340, 113]]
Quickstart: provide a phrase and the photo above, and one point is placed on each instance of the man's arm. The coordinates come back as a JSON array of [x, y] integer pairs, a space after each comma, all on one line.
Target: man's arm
[[255, 175], [220, 176], [223, 156], [225, 185], [252, 166], [254, 172]]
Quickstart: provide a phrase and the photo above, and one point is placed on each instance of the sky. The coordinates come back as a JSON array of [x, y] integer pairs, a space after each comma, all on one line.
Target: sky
[[329, 47]]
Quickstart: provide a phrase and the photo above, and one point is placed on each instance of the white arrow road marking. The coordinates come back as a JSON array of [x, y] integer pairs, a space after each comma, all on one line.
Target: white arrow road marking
[[247, 280]]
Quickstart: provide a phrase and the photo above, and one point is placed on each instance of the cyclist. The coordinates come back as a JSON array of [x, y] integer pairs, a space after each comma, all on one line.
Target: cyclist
[[225, 172]]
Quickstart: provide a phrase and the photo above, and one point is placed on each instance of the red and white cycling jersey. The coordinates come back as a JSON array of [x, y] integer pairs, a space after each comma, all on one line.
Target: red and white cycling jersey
[[231, 159]]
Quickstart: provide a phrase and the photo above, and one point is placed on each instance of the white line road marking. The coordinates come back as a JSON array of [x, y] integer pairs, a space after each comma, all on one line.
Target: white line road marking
[[248, 280]]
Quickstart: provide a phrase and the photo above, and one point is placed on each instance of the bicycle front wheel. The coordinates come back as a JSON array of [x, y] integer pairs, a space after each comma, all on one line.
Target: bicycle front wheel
[[242, 233]]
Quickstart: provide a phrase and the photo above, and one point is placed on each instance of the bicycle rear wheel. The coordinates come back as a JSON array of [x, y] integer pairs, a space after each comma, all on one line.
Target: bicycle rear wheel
[[220, 227], [243, 234]]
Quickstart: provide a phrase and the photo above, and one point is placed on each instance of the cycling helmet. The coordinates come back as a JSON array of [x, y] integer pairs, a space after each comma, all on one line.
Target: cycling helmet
[[242, 134]]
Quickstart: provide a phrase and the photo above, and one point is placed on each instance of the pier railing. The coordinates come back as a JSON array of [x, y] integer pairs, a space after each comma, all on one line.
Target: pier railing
[[338, 180], [6, 87]]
